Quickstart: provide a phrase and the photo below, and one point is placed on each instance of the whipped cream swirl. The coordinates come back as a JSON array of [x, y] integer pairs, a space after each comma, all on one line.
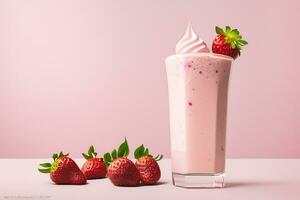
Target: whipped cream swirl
[[191, 43]]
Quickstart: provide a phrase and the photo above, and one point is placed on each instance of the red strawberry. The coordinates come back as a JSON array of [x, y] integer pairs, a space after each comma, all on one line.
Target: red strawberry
[[228, 42], [147, 166], [94, 167], [121, 171], [64, 170]]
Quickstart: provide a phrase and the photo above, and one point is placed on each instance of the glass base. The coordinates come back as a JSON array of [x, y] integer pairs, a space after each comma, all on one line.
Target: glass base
[[198, 180]]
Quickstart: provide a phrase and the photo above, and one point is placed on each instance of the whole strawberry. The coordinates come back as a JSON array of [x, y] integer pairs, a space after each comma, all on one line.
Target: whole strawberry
[[121, 171], [228, 42], [63, 170], [147, 166], [94, 167]]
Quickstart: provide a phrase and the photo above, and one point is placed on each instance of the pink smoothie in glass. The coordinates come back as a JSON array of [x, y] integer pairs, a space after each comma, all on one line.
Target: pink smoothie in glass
[[198, 85]]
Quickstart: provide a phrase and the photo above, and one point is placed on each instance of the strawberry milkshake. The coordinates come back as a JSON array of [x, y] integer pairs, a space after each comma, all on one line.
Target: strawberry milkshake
[[198, 87]]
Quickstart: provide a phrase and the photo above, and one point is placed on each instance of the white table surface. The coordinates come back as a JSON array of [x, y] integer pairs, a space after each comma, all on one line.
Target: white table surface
[[255, 179]]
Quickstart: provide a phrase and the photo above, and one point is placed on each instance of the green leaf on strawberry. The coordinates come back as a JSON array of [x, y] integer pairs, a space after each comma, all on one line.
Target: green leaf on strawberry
[[141, 151], [228, 29], [46, 171], [219, 30], [90, 154], [242, 42], [123, 151], [114, 154], [158, 157], [87, 157], [107, 159], [91, 149], [60, 154], [47, 166], [55, 156]]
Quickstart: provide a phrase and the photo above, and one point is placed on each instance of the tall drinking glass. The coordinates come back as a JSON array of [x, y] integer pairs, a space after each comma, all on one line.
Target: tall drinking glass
[[198, 87]]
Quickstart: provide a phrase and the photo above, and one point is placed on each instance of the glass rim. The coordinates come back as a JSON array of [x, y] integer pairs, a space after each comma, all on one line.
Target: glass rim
[[221, 56]]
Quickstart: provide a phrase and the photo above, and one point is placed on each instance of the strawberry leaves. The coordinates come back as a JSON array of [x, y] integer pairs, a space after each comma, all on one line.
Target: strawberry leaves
[[114, 154], [91, 153], [45, 164], [45, 171], [228, 29], [158, 157], [46, 167], [61, 154], [219, 30], [142, 151], [242, 42], [123, 151], [107, 159], [54, 156]]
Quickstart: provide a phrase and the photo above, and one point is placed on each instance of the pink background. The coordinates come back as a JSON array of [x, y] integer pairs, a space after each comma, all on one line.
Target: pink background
[[74, 73]]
